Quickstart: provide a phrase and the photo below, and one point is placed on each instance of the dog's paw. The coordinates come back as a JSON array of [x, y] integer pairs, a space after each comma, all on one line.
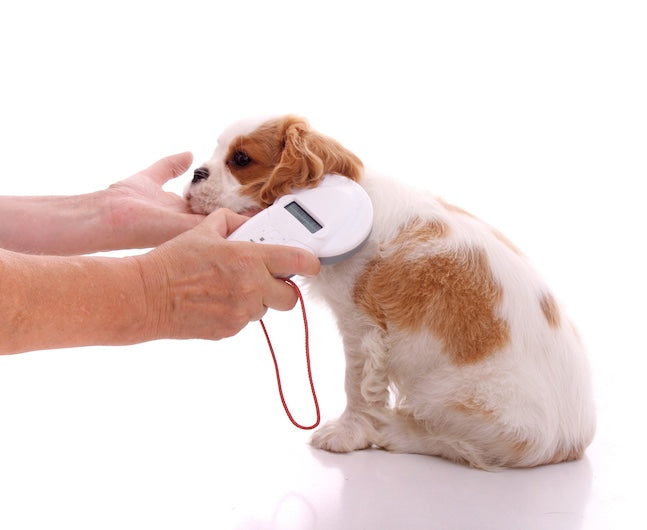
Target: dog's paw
[[348, 433]]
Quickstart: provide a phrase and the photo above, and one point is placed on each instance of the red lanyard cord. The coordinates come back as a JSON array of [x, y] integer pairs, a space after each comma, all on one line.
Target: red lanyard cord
[[276, 365]]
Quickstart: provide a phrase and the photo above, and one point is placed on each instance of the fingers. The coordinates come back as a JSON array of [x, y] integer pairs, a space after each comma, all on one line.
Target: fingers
[[280, 295], [283, 261], [224, 221], [218, 286], [263, 268], [170, 167]]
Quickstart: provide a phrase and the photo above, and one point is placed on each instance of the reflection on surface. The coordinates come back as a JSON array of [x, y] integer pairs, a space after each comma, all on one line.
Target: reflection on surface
[[382, 490]]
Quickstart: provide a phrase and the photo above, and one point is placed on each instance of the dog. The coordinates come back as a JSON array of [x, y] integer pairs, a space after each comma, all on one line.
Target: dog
[[454, 345]]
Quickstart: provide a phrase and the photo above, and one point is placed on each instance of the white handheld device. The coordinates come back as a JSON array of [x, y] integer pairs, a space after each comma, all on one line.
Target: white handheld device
[[333, 220]]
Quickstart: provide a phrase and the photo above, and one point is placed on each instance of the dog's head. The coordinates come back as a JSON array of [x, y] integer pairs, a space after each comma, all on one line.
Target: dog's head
[[257, 161]]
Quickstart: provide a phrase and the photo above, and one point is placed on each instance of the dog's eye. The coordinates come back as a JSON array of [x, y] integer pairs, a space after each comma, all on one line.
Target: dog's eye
[[241, 159]]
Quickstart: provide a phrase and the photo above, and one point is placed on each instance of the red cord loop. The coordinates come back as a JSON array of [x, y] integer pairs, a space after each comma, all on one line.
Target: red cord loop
[[276, 365]]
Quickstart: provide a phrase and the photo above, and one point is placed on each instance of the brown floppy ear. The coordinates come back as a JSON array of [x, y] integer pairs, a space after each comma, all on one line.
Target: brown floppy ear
[[307, 156]]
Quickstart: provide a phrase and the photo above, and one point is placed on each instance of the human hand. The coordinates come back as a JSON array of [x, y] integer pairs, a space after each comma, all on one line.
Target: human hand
[[142, 214], [199, 285]]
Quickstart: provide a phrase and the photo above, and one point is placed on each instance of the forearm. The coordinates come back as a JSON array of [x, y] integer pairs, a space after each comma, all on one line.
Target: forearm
[[197, 285], [56, 225], [53, 302], [132, 213]]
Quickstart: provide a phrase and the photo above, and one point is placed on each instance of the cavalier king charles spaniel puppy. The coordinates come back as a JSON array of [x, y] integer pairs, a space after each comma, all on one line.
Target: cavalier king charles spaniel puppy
[[454, 345]]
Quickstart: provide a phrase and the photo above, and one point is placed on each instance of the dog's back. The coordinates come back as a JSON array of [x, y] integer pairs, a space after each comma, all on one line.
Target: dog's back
[[482, 364]]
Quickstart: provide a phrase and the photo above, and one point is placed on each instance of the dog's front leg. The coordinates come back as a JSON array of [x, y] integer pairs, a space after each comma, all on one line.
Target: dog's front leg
[[366, 393]]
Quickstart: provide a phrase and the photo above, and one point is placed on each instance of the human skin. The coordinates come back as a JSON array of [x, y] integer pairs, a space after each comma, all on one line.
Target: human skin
[[132, 213], [195, 285]]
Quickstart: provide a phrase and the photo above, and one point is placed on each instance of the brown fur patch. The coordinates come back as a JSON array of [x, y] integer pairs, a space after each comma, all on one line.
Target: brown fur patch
[[551, 310], [419, 231], [452, 294], [263, 146], [287, 154]]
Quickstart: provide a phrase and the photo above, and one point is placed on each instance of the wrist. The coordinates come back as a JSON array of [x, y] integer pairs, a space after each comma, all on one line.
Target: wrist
[[153, 279], [88, 227]]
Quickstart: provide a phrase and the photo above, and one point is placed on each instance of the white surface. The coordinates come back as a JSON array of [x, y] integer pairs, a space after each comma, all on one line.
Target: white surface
[[530, 115]]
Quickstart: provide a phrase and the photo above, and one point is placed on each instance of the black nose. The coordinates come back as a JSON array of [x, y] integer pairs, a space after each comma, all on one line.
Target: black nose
[[199, 174]]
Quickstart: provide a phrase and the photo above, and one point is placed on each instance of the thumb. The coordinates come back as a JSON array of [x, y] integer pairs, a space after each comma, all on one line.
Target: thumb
[[170, 167], [224, 221]]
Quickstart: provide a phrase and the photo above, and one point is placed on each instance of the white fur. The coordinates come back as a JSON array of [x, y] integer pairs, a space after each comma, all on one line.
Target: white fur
[[401, 386], [539, 384], [221, 190]]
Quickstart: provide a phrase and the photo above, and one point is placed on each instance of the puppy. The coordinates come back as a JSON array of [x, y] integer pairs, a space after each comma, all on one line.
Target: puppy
[[454, 345]]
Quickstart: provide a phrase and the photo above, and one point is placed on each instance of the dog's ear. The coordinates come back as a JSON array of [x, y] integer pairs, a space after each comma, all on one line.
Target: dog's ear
[[306, 157]]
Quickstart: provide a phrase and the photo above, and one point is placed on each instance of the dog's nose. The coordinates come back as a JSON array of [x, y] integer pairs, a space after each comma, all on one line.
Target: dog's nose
[[199, 174]]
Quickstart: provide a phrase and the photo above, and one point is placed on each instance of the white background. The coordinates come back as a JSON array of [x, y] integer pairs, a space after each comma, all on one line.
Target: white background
[[532, 115]]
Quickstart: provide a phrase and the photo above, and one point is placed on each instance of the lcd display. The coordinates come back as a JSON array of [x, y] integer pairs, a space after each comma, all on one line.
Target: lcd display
[[303, 217]]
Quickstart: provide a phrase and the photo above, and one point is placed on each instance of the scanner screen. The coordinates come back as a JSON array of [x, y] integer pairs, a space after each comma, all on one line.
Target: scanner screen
[[303, 217]]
